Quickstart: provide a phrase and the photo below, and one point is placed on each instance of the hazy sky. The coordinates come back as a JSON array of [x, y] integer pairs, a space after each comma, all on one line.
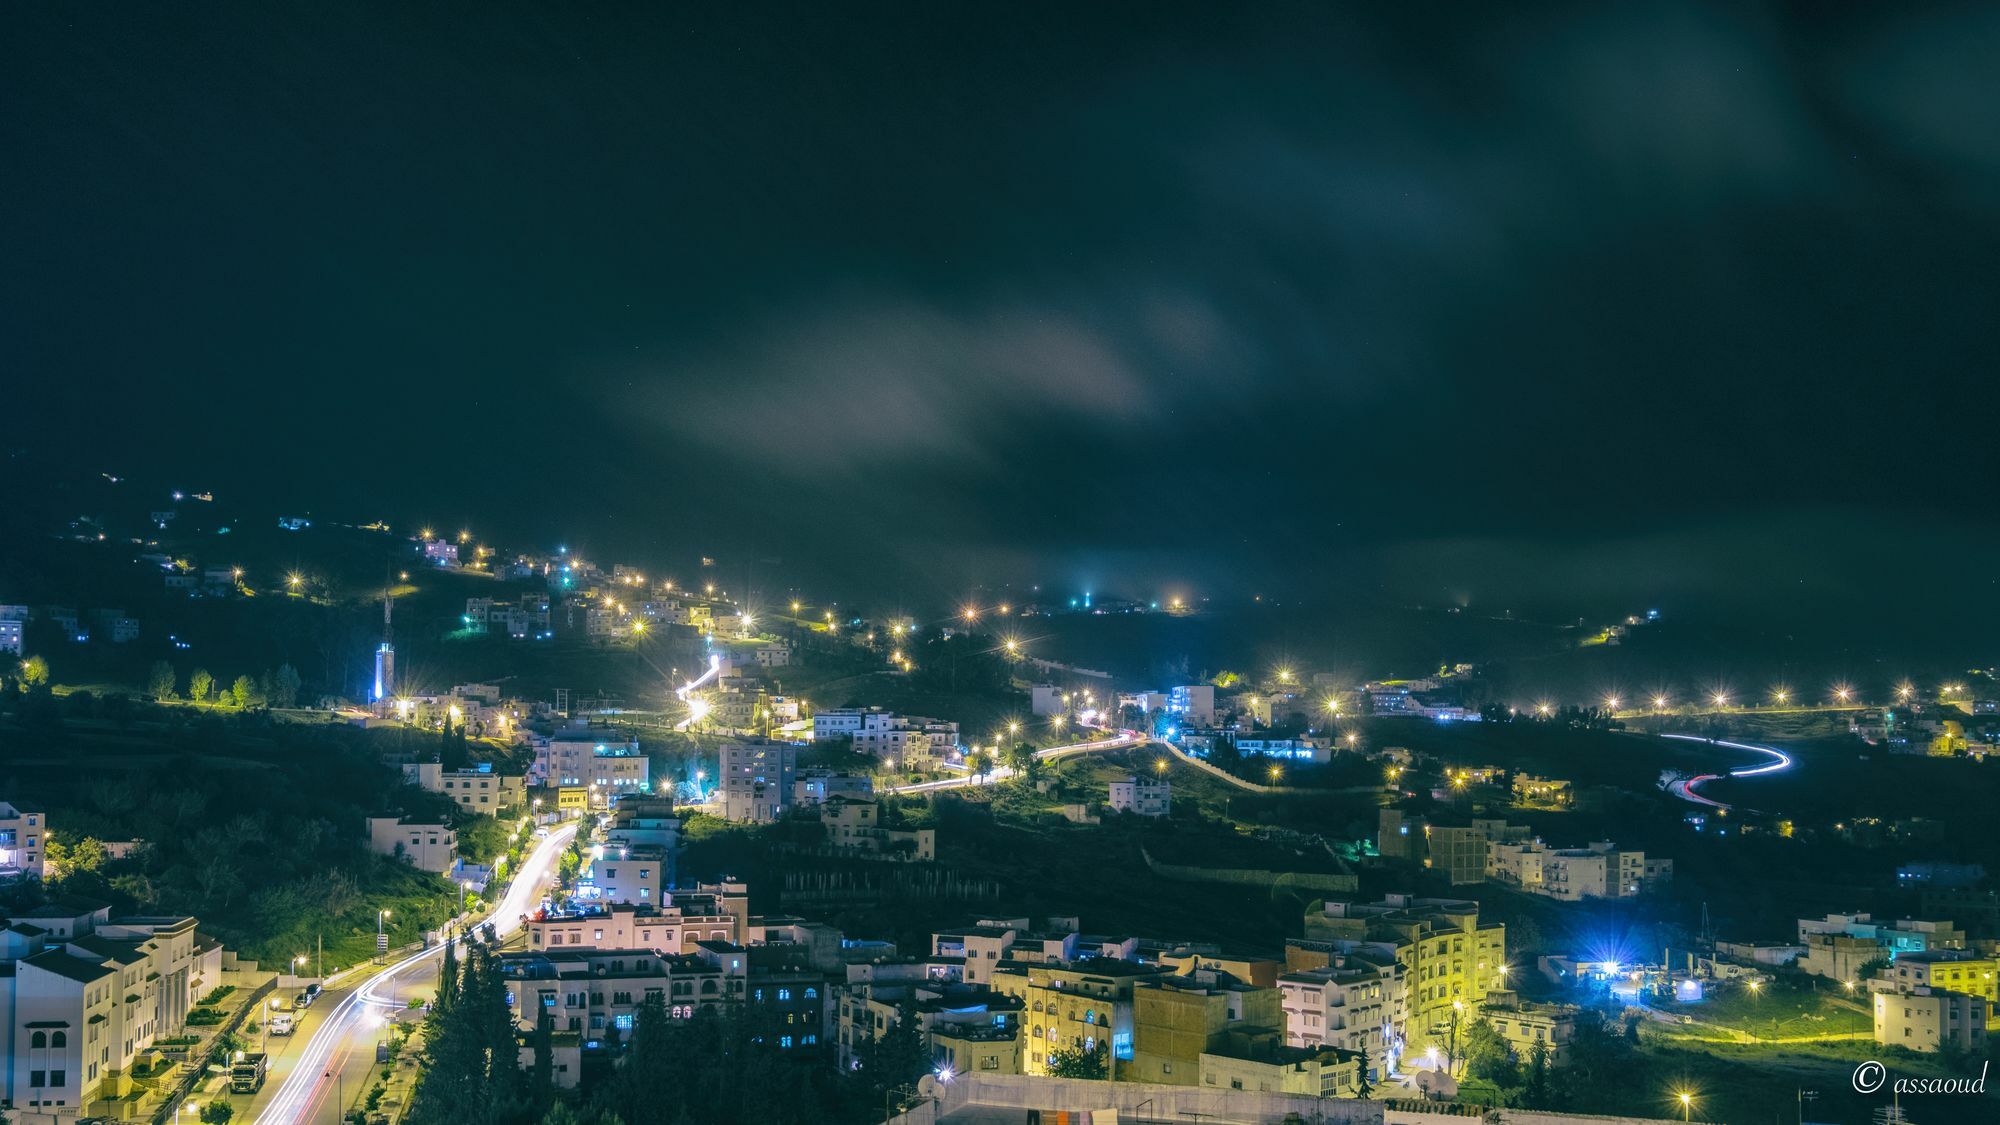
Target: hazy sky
[[1440, 301]]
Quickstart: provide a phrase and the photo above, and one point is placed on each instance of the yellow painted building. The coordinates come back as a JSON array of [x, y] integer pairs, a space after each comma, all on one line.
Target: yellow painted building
[[572, 798], [1073, 1006]]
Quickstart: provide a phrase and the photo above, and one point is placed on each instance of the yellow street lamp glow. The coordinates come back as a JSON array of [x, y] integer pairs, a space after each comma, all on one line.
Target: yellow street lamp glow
[[1842, 693], [1013, 726], [1781, 695], [697, 709], [1013, 646], [1275, 772], [1541, 708], [1160, 765], [1611, 703], [293, 579], [1719, 699], [795, 607], [1284, 675], [1659, 702], [971, 615]]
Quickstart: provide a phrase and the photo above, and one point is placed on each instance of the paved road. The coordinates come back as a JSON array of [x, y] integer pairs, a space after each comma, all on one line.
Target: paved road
[[1687, 788], [331, 1056], [1119, 741]]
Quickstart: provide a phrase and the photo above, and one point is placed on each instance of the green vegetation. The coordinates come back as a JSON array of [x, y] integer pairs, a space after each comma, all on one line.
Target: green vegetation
[[251, 823]]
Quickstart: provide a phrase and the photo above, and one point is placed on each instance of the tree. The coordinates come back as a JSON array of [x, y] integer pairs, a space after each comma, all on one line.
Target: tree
[[285, 691], [217, 1112], [1537, 1094], [1069, 1062], [200, 684], [1487, 1056], [243, 691], [160, 684], [979, 763], [34, 672]]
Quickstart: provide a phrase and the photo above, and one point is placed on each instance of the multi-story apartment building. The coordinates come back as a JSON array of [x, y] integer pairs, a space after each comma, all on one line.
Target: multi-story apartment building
[[82, 999], [24, 834], [678, 924], [902, 741], [1927, 1019], [853, 825], [1074, 1006], [607, 763], [969, 1028], [1449, 961], [593, 991], [475, 788], [1142, 796], [757, 779], [1956, 970], [1840, 945], [1601, 870], [1351, 1005], [1178, 1019]]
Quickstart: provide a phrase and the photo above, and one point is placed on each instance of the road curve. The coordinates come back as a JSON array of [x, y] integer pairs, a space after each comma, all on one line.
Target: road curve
[[1119, 741], [1686, 788], [357, 1016]]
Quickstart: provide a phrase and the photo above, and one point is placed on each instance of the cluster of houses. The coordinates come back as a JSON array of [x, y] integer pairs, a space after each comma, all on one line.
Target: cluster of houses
[[1490, 849], [104, 623], [1370, 988]]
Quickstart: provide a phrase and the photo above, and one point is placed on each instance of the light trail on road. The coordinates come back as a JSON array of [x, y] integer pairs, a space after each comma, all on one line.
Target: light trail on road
[[1685, 788], [1002, 773], [305, 1088]]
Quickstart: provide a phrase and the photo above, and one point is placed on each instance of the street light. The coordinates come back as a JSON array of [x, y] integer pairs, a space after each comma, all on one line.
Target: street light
[[1659, 703], [1686, 1098], [1780, 696], [1611, 703]]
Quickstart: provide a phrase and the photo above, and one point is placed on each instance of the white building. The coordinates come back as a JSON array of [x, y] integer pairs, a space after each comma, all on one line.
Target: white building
[[1193, 702], [429, 847], [84, 996], [10, 635], [1926, 1019], [1350, 1007], [1601, 870], [1147, 798], [757, 779], [598, 758], [475, 788], [902, 741]]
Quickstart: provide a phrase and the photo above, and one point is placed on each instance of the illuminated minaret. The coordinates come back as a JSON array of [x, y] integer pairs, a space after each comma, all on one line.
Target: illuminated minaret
[[385, 655]]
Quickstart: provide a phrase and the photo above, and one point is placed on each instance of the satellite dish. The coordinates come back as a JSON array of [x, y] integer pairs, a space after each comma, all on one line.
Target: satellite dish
[[1437, 1082], [929, 1087]]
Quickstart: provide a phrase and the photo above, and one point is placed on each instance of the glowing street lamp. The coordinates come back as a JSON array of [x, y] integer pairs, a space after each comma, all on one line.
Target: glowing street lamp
[[1720, 699], [795, 606], [1843, 693], [1659, 703], [1780, 696], [1904, 692], [1686, 1098], [1611, 703], [1542, 709]]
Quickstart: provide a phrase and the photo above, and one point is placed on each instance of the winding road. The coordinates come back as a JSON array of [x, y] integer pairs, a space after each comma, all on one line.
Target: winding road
[[1686, 788], [351, 1025], [1118, 741]]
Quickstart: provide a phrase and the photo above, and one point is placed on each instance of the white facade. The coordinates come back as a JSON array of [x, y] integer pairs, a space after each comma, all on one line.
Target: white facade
[[1147, 798], [757, 779], [429, 847], [475, 788], [1350, 1008], [10, 636]]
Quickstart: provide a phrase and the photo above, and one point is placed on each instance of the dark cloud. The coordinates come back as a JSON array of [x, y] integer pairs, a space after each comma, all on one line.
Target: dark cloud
[[1252, 295]]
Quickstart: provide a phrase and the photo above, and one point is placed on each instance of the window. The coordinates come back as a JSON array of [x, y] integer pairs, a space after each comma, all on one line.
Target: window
[[812, 993], [61, 1039], [39, 1039], [784, 994]]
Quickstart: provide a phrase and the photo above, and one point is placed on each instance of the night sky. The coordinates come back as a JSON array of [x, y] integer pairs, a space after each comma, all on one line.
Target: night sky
[[1594, 303]]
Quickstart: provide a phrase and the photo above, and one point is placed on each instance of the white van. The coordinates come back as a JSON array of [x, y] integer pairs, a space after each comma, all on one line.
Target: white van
[[281, 1023]]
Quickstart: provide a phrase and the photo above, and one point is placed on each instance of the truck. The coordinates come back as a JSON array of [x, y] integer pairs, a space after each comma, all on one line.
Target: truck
[[246, 1075], [281, 1023]]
